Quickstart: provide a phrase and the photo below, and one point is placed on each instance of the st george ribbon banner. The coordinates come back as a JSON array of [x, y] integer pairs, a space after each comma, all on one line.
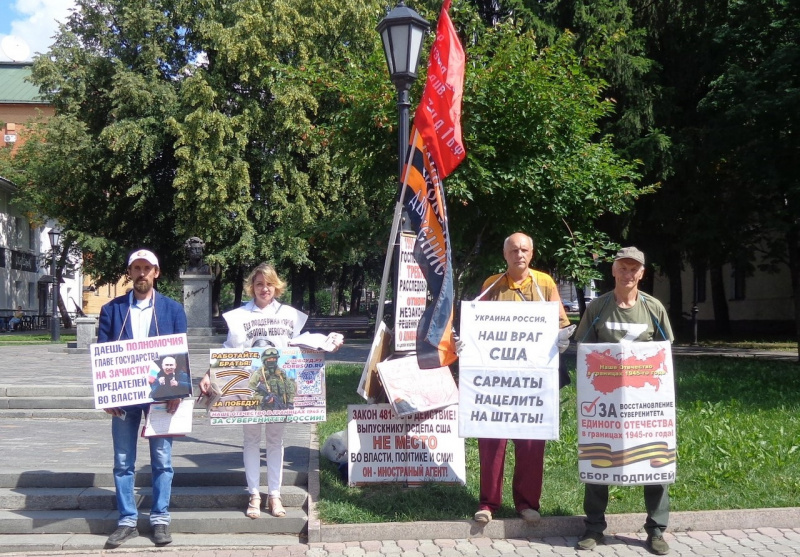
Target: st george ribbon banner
[[508, 370], [626, 413], [427, 215]]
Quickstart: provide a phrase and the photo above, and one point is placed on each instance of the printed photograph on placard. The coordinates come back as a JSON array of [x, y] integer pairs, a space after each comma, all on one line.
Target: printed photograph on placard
[[129, 372], [266, 384]]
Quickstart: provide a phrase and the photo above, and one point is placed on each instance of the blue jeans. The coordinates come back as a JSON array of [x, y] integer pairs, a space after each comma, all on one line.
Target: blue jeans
[[125, 433]]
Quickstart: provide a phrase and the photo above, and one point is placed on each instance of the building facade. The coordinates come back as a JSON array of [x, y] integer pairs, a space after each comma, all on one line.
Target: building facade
[[25, 254]]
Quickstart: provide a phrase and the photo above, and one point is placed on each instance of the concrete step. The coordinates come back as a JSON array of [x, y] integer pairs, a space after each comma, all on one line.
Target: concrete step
[[185, 521], [30, 543], [88, 413], [46, 402], [47, 391], [104, 498], [209, 476]]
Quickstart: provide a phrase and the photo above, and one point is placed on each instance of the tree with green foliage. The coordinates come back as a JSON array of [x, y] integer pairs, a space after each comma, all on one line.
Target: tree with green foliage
[[268, 130], [753, 107], [180, 118]]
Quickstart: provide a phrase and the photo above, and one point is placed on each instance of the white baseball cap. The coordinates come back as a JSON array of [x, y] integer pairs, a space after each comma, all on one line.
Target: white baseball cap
[[147, 255]]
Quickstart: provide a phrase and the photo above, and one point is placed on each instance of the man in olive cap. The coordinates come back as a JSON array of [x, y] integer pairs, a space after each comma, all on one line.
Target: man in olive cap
[[625, 315]]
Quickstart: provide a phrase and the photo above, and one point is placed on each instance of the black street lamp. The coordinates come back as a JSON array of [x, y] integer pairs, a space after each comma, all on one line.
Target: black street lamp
[[402, 32], [55, 237]]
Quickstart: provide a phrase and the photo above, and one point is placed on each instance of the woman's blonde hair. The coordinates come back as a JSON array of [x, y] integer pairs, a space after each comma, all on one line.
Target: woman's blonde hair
[[270, 276]]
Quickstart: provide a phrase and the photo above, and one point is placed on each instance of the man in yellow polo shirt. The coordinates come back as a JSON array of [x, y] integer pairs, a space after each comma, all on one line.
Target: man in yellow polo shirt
[[519, 283]]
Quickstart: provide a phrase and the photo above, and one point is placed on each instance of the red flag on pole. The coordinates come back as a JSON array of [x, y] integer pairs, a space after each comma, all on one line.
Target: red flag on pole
[[436, 148], [438, 116]]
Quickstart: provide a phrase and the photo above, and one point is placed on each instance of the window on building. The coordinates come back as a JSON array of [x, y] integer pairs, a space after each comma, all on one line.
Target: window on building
[[739, 274], [31, 294], [19, 228], [700, 283]]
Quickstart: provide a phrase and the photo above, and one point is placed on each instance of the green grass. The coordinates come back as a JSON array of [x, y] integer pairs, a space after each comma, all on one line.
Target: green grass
[[738, 445], [42, 337]]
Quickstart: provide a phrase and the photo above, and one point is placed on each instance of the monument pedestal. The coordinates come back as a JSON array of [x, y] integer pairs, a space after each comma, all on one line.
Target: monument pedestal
[[197, 303], [86, 327]]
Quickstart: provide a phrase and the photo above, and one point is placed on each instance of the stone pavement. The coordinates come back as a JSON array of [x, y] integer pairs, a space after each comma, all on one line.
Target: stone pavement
[[760, 542], [50, 444]]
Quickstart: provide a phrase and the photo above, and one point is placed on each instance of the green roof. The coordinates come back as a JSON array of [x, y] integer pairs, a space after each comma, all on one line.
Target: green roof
[[14, 87]]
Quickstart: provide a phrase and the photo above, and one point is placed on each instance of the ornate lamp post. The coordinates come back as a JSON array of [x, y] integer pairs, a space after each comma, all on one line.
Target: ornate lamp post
[[55, 237], [402, 32]]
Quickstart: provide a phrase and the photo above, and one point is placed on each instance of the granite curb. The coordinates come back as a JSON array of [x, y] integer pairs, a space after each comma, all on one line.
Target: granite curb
[[559, 526]]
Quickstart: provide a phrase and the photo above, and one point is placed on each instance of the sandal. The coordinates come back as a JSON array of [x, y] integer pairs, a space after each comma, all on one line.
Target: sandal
[[254, 507], [276, 508]]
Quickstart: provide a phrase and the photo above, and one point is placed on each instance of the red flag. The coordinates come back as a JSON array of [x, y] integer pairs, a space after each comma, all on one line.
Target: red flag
[[438, 116]]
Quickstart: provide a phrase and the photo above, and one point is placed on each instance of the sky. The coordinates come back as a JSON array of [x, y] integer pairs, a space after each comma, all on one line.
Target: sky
[[31, 23]]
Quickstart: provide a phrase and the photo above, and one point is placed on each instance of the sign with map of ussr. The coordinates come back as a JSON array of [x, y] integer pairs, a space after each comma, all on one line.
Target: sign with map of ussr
[[626, 413], [508, 370]]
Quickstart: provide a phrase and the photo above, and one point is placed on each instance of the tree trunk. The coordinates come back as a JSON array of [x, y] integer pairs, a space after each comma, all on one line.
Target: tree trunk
[[62, 307], [722, 320], [216, 290], [793, 247], [238, 285], [298, 286], [311, 278], [673, 269], [356, 290]]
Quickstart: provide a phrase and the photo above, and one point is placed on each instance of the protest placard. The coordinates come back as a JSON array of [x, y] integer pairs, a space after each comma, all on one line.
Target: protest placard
[[130, 372], [626, 413], [411, 389], [415, 449], [369, 386], [160, 423], [262, 385], [508, 370], [411, 299]]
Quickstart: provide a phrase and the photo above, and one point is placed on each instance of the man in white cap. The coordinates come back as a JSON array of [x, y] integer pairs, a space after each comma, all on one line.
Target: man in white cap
[[140, 313], [625, 315]]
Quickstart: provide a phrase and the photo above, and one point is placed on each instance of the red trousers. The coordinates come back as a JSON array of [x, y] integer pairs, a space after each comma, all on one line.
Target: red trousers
[[528, 471]]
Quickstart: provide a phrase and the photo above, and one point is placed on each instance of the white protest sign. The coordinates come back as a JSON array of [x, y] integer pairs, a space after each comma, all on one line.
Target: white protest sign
[[412, 290], [419, 448], [508, 370], [626, 413], [123, 372]]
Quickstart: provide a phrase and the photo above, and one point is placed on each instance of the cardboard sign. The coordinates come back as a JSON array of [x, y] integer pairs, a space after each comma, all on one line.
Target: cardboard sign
[[384, 447], [411, 389], [128, 372], [369, 386], [626, 413], [508, 370], [263, 385]]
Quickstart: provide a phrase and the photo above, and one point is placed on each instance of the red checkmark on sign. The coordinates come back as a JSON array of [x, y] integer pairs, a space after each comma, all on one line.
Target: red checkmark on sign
[[589, 408]]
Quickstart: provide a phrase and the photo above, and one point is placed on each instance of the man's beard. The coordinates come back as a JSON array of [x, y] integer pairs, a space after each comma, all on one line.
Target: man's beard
[[142, 286]]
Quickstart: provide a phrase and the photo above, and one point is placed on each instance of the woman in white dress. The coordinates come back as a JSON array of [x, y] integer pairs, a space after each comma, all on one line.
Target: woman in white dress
[[263, 321]]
